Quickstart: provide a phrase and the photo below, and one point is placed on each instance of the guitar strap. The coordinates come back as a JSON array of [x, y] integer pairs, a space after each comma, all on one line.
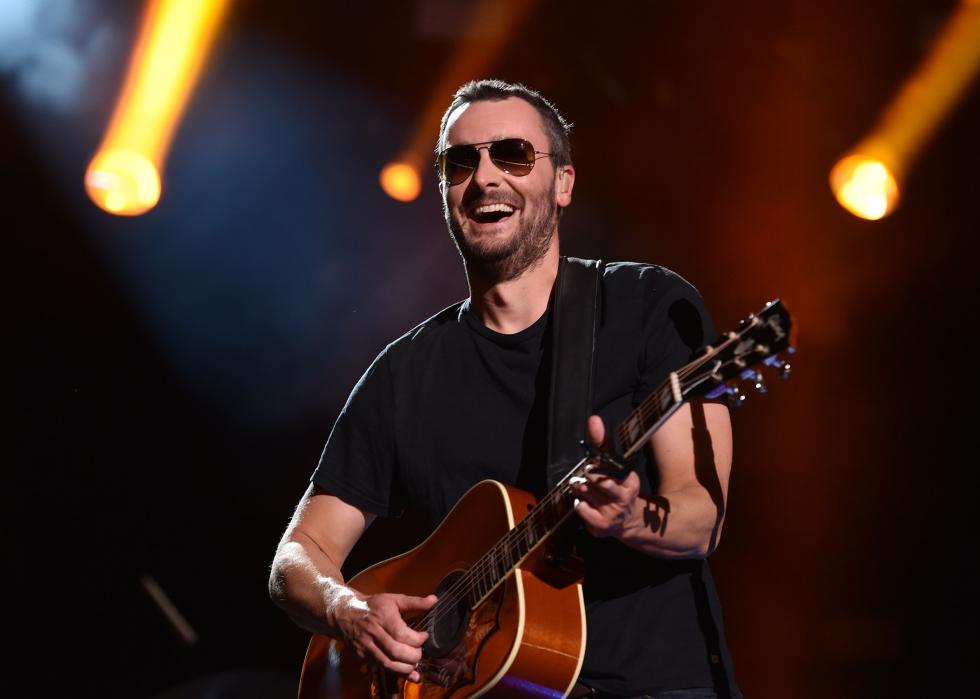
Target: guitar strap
[[575, 323]]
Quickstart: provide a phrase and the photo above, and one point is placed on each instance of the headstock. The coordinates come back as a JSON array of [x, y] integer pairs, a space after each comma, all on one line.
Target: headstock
[[741, 356]]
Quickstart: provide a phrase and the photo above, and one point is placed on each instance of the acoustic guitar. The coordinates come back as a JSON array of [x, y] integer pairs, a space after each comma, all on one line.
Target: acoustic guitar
[[510, 618]]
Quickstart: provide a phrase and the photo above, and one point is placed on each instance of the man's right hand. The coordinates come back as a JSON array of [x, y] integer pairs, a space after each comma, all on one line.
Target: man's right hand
[[375, 626]]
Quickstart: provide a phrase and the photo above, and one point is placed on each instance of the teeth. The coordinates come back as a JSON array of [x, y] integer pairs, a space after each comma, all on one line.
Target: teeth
[[490, 208]]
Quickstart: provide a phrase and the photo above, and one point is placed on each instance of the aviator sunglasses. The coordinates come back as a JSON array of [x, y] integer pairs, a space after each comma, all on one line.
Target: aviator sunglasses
[[515, 156]]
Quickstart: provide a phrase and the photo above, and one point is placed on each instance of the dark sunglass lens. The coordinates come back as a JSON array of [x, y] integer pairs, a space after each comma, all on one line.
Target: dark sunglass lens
[[459, 162], [513, 155]]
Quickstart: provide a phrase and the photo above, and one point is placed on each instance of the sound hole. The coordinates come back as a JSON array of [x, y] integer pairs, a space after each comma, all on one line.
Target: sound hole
[[447, 623]]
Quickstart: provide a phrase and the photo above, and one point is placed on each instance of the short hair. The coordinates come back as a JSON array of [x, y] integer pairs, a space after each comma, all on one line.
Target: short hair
[[556, 126]]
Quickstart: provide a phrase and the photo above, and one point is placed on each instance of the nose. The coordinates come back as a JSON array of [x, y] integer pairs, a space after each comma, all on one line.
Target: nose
[[486, 174]]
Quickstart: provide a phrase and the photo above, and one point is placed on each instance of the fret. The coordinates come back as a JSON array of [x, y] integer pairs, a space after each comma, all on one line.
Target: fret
[[521, 541], [633, 427], [645, 417], [509, 557], [529, 536]]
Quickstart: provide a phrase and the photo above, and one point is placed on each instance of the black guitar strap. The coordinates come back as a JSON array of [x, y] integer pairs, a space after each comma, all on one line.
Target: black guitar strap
[[575, 323]]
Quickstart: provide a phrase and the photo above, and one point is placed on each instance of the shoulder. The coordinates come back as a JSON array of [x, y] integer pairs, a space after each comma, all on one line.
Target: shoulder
[[650, 282], [421, 337]]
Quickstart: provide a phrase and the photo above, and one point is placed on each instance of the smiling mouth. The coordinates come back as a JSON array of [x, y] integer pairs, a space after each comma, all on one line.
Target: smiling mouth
[[491, 213]]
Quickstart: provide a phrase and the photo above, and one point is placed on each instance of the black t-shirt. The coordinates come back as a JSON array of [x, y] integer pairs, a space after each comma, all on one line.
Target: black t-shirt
[[453, 402]]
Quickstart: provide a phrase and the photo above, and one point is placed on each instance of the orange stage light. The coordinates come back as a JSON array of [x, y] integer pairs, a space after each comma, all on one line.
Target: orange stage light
[[474, 58], [124, 175], [402, 180], [867, 180]]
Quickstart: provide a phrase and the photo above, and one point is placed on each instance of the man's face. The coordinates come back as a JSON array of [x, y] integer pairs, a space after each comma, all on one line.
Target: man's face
[[502, 224]]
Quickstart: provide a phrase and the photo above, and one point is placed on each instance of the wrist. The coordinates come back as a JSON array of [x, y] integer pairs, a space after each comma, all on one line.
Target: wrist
[[647, 517], [338, 599], [633, 522]]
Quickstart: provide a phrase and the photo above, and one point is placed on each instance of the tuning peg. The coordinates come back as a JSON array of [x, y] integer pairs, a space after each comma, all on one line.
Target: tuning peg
[[735, 398], [784, 370], [760, 384]]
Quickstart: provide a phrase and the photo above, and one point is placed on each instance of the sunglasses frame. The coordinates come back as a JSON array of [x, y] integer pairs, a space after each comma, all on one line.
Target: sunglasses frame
[[500, 164]]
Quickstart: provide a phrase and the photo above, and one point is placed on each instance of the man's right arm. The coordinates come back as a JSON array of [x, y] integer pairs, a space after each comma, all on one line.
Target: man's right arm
[[307, 584]]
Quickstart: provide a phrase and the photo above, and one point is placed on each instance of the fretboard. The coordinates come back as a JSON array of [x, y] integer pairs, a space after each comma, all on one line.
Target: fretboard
[[555, 507], [635, 430]]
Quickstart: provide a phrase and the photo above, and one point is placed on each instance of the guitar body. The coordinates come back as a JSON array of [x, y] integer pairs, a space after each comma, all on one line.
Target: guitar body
[[525, 638]]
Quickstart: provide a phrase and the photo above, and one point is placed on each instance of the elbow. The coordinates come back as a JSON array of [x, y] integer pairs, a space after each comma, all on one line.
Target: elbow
[[277, 583], [712, 538], [285, 574], [700, 548], [704, 538]]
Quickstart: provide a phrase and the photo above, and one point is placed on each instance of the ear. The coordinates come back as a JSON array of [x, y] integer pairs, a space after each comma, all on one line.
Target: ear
[[564, 182]]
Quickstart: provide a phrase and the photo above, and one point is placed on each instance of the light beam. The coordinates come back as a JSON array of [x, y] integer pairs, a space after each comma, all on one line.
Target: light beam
[[123, 177], [492, 25], [867, 180]]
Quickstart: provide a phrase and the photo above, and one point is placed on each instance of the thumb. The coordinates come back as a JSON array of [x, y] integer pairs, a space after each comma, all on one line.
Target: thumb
[[596, 430], [407, 603]]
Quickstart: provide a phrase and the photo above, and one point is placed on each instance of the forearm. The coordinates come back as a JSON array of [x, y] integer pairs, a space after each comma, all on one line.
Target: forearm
[[308, 585], [682, 524]]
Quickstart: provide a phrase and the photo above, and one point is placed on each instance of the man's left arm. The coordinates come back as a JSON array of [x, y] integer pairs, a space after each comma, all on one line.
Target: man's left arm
[[683, 517]]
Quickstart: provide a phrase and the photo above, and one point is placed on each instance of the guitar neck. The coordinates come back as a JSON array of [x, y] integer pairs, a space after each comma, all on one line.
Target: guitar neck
[[755, 342], [554, 508], [544, 519], [639, 425]]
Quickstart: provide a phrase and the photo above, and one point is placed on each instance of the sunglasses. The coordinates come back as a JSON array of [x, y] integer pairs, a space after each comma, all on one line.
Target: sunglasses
[[515, 156]]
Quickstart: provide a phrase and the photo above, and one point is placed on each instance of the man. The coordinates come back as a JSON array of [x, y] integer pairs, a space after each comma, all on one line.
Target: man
[[460, 398]]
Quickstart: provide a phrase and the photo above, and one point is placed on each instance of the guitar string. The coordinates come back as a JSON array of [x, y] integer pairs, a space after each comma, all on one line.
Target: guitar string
[[505, 546], [651, 403], [465, 583], [451, 595], [503, 550]]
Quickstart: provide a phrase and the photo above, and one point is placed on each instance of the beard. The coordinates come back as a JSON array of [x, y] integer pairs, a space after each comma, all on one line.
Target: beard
[[501, 261]]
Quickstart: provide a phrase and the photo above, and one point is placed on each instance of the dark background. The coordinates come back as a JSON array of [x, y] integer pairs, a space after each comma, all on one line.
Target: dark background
[[172, 378]]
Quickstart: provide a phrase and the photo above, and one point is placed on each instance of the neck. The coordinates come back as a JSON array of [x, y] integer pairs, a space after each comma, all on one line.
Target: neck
[[515, 304]]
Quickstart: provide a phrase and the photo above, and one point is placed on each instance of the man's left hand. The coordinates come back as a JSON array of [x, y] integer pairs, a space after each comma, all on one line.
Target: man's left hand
[[604, 503]]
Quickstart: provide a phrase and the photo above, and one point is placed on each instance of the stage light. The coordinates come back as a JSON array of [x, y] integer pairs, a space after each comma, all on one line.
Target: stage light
[[123, 177], [482, 38], [868, 179], [864, 186], [401, 180]]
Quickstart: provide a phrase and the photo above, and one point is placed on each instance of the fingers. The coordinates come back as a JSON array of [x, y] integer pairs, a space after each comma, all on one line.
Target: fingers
[[407, 603], [604, 503], [393, 608], [382, 635], [593, 519], [613, 490], [396, 625], [392, 656], [397, 656]]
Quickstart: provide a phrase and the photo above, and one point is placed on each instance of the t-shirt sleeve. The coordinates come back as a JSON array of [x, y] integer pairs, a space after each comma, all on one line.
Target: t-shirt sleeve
[[359, 461], [678, 326]]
